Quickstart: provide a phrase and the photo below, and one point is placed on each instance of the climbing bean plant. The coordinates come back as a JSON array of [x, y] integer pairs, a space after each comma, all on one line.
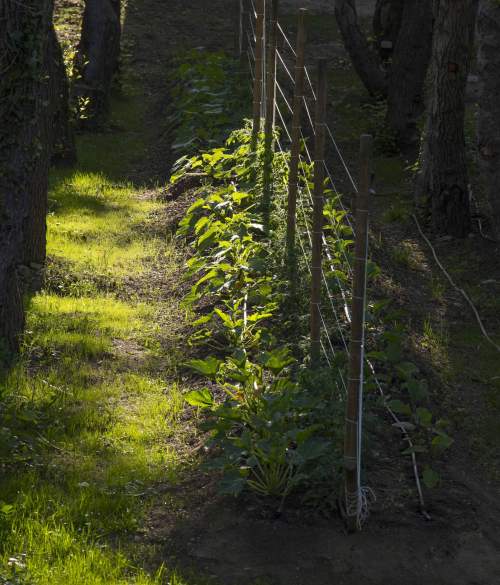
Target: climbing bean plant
[[269, 419], [275, 426]]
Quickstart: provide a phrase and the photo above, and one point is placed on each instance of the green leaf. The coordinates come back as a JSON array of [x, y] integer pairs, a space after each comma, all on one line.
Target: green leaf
[[430, 477], [200, 224], [312, 448], [278, 360], [442, 442], [417, 389], [424, 417], [209, 237], [202, 398], [202, 320], [399, 407], [208, 367], [407, 369], [226, 319], [6, 509]]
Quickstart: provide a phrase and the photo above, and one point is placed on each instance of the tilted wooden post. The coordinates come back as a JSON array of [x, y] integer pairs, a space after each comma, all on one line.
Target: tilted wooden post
[[293, 173], [270, 113], [258, 81], [356, 346], [318, 205]]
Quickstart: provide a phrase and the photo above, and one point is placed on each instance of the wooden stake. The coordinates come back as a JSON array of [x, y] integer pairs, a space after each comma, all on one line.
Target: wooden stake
[[258, 81], [356, 346], [318, 204], [293, 173], [270, 113]]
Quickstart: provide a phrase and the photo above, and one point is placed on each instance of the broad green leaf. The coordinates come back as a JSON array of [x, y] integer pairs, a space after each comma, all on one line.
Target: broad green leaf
[[441, 442], [202, 398], [424, 417], [208, 367], [399, 406]]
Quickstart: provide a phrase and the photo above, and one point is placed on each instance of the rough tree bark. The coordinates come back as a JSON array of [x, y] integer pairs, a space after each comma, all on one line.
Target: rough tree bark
[[489, 104], [442, 188], [24, 149], [366, 61], [386, 25], [97, 59], [411, 56]]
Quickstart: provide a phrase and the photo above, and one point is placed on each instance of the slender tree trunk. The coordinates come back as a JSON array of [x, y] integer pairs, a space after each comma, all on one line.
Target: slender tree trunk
[[489, 104], [64, 150], [412, 53], [24, 150], [365, 60], [97, 59], [442, 188]]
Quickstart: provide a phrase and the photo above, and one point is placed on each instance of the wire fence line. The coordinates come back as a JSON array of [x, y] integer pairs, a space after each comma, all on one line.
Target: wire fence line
[[358, 502]]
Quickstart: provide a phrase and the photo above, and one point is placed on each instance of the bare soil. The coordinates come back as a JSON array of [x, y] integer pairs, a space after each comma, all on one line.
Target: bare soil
[[238, 543]]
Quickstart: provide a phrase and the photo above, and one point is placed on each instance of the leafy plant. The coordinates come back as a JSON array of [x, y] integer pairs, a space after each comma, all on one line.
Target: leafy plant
[[262, 431], [208, 92], [268, 432]]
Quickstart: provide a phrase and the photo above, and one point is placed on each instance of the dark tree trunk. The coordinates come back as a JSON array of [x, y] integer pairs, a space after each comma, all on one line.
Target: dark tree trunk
[[49, 126], [412, 53], [24, 151], [443, 185], [489, 105], [365, 60], [97, 59], [116, 5], [64, 150], [386, 25]]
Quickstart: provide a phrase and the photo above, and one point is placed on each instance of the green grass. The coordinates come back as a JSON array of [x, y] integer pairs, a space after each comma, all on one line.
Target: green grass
[[90, 429]]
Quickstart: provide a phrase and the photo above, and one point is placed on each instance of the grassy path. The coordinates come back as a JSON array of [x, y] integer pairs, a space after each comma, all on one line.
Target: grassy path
[[92, 409]]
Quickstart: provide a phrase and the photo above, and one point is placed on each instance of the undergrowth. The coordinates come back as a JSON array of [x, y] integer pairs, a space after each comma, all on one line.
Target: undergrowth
[[275, 424]]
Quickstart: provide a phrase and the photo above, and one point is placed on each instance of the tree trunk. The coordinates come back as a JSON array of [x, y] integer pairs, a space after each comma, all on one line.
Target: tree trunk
[[412, 53], [24, 150], [489, 104], [116, 5], [48, 125], [365, 60], [443, 188], [64, 149], [97, 60], [386, 25]]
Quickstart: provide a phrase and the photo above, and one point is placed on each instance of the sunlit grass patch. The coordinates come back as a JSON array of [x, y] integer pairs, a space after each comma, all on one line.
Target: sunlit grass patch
[[104, 448], [83, 327], [61, 533], [97, 224]]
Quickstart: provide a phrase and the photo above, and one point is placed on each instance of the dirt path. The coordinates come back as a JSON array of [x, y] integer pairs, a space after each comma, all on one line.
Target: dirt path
[[229, 541]]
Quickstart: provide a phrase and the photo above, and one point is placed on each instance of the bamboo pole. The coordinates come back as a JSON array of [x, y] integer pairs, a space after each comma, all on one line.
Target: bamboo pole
[[270, 113], [258, 81], [293, 173], [356, 347], [318, 204]]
